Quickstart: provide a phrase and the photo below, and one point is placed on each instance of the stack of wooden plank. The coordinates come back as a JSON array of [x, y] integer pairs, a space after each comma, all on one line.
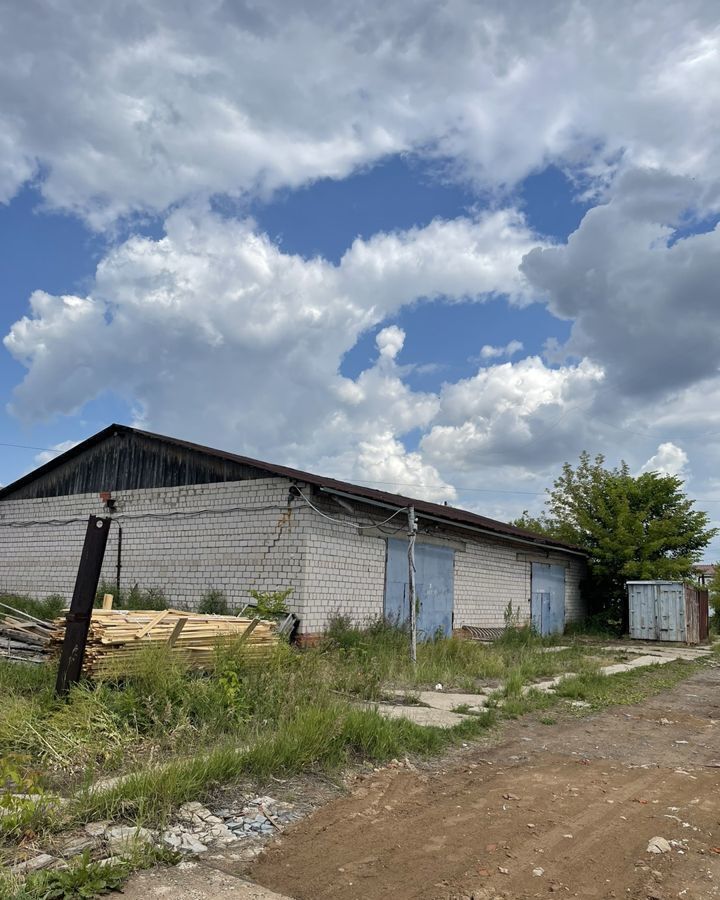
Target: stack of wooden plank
[[116, 636], [23, 637]]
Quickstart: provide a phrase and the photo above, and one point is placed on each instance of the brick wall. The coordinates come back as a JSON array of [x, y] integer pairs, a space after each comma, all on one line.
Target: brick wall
[[197, 539], [344, 572], [235, 536], [491, 574]]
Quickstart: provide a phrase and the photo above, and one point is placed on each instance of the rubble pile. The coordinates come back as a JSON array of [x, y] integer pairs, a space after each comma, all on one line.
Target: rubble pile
[[246, 826]]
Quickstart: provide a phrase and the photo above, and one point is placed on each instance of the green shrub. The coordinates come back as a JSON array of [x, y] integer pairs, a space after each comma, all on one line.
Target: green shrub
[[270, 604], [715, 607], [154, 598], [213, 603], [107, 587], [135, 598], [599, 625], [83, 877]]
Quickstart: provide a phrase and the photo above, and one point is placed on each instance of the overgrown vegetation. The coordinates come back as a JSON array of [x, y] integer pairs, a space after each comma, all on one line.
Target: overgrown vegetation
[[214, 602], [271, 604], [182, 733], [377, 655], [47, 609], [135, 598], [714, 599], [83, 877]]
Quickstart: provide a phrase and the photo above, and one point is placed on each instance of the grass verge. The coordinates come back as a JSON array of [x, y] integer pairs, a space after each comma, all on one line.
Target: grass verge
[[318, 738]]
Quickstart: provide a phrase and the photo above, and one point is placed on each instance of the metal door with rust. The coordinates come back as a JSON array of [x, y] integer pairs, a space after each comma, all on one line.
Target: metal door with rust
[[434, 577], [547, 603]]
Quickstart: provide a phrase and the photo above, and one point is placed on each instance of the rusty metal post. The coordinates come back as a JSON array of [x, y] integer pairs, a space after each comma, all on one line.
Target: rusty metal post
[[77, 623]]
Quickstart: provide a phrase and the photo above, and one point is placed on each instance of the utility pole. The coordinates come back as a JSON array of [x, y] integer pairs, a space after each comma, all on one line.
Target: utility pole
[[412, 532], [77, 623]]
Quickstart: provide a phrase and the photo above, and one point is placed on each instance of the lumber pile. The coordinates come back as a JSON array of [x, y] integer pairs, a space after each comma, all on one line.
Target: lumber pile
[[116, 636], [23, 638]]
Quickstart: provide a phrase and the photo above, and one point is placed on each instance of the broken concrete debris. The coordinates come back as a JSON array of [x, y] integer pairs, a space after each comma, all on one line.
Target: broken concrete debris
[[658, 845], [196, 830]]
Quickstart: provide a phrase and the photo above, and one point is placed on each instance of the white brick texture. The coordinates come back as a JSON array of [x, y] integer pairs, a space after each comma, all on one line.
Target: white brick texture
[[236, 536]]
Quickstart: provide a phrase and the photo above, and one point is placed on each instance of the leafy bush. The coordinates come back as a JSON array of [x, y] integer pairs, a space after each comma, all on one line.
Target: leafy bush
[[153, 598], [600, 625], [107, 587], [520, 636], [270, 604], [213, 603]]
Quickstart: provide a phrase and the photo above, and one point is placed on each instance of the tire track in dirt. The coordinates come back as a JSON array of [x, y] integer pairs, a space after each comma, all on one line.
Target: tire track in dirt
[[612, 781]]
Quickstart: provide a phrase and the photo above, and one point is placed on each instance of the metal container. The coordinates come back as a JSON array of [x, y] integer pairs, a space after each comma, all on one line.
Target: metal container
[[668, 611]]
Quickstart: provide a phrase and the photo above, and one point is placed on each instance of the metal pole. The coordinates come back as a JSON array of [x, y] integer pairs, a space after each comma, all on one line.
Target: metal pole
[[412, 532], [119, 561], [77, 622]]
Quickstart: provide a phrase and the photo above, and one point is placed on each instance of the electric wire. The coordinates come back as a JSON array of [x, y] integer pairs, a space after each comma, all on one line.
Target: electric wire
[[341, 522], [169, 514]]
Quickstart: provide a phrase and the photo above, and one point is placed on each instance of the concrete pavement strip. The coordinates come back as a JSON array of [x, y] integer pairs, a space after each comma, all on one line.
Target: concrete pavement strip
[[194, 881]]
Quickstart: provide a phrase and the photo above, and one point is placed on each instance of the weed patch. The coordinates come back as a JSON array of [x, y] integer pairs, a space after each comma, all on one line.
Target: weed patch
[[82, 878], [47, 610], [626, 687]]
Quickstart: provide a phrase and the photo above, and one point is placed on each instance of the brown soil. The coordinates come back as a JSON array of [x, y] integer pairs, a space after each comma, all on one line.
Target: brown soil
[[578, 800]]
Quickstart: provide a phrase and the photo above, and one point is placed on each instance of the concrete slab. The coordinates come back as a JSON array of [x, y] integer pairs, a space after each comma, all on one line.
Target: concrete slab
[[638, 663], [549, 685], [441, 703], [194, 881], [653, 649], [447, 699], [421, 715]]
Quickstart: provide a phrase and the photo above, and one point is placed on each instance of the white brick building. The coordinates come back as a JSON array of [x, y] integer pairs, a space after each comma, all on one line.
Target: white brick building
[[189, 518]]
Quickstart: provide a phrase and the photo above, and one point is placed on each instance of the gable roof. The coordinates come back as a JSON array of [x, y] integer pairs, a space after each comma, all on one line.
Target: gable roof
[[437, 511]]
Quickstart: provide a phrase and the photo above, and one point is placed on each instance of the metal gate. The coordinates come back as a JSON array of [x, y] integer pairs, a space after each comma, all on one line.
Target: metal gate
[[547, 603], [433, 585], [657, 610]]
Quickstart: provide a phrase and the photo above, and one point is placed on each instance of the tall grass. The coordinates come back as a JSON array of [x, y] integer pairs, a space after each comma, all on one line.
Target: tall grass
[[377, 655], [47, 609], [161, 707], [318, 737]]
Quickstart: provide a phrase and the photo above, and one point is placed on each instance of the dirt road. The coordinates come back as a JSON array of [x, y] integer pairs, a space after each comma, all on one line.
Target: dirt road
[[565, 809]]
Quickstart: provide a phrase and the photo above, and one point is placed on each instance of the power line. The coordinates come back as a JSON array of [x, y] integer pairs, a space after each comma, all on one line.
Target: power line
[[344, 522], [126, 517], [28, 447]]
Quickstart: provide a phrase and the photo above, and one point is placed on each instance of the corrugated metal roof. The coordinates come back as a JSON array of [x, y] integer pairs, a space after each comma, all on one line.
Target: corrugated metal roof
[[451, 515]]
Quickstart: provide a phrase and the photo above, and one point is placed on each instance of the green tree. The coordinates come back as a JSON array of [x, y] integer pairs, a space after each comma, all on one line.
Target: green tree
[[714, 595], [632, 527]]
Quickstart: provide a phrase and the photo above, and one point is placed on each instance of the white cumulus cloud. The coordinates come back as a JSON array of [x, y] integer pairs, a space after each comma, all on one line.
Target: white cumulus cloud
[[488, 351], [669, 459], [215, 334], [135, 108]]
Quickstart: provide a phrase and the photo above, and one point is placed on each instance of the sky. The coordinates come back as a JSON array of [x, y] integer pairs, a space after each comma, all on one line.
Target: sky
[[439, 248]]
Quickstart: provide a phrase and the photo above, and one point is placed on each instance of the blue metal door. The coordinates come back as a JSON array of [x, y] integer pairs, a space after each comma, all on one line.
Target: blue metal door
[[671, 611], [548, 598], [434, 577]]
